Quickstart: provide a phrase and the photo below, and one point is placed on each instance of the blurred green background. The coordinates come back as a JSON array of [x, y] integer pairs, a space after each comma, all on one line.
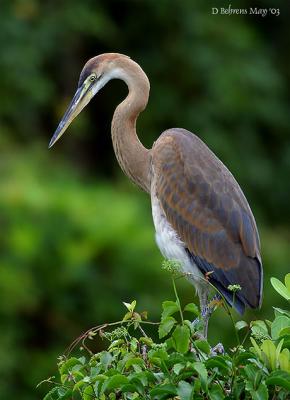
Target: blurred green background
[[76, 236]]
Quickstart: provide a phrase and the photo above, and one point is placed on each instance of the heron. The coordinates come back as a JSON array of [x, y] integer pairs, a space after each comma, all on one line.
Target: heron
[[201, 217]]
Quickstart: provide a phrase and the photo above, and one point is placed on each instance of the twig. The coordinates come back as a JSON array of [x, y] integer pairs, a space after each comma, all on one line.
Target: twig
[[177, 299]]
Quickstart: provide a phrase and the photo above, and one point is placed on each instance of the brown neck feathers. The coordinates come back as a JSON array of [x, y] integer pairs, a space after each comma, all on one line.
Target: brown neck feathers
[[132, 156]]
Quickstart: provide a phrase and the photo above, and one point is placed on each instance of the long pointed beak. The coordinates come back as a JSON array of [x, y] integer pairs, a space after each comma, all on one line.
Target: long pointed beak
[[81, 98]]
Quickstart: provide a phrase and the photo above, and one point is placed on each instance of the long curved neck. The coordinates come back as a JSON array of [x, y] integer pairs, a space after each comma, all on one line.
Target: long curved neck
[[133, 157]]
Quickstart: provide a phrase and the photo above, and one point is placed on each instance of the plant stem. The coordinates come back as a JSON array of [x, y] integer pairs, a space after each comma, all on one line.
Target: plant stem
[[177, 300], [233, 322], [142, 330]]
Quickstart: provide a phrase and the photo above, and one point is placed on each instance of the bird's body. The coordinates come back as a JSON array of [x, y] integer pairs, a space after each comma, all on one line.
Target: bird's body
[[201, 216], [206, 209]]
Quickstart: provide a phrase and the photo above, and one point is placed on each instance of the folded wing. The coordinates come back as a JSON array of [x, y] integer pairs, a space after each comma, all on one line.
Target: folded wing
[[207, 208]]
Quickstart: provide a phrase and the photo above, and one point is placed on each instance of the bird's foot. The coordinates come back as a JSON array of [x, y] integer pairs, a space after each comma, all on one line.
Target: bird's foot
[[200, 334], [217, 349], [200, 325]]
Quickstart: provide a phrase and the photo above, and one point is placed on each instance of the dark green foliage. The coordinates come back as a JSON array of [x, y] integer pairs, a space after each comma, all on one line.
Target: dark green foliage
[[223, 78], [181, 366]]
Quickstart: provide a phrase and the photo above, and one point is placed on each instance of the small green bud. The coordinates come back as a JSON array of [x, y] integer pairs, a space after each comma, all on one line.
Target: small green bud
[[172, 266], [234, 288]]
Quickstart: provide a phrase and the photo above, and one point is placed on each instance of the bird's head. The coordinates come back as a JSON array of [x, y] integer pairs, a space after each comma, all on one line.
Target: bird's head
[[95, 74]]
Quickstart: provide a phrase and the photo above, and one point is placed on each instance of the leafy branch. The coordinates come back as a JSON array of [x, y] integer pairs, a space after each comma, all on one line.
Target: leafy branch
[[180, 365]]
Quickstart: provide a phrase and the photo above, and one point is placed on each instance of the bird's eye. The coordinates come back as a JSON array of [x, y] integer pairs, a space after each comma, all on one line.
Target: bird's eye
[[93, 78]]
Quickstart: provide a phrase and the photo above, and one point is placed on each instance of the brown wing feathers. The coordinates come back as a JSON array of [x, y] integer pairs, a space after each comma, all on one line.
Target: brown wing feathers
[[207, 208]]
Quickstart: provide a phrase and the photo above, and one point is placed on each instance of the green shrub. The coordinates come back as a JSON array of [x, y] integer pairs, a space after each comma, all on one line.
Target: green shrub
[[182, 364]]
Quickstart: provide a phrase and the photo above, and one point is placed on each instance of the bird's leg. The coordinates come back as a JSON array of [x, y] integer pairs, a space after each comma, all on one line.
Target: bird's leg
[[205, 311]]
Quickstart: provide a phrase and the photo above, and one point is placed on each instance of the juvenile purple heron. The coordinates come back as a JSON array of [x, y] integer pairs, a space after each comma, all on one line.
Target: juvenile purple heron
[[201, 216]]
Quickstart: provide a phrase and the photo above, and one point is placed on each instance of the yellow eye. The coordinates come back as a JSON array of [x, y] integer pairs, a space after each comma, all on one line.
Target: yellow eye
[[92, 78]]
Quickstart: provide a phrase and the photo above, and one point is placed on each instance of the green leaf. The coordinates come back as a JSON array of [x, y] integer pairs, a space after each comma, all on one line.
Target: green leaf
[[287, 281], [241, 325], [142, 380], [285, 331], [191, 326], [286, 342], [251, 371], [238, 389], [157, 357], [146, 340], [127, 316], [279, 378], [135, 362], [98, 381], [258, 379], [88, 393], [181, 338], [68, 365], [197, 388], [130, 387], [279, 347], [203, 346], [284, 360], [192, 308], [178, 367], [268, 323], [137, 384], [256, 348], [249, 385], [116, 343], [106, 359], [165, 326], [114, 382], [216, 393], [162, 390], [170, 343], [111, 372], [169, 308], [242, 357], [185, 390], [280, 288], [259, 328], [202, 372], [280, 311], [269, 349], [58, 393], [278, 324], [130, 306], [133, 344], [71, 367], [261, 393], [218, 362], [52, 394], [78, 385]]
